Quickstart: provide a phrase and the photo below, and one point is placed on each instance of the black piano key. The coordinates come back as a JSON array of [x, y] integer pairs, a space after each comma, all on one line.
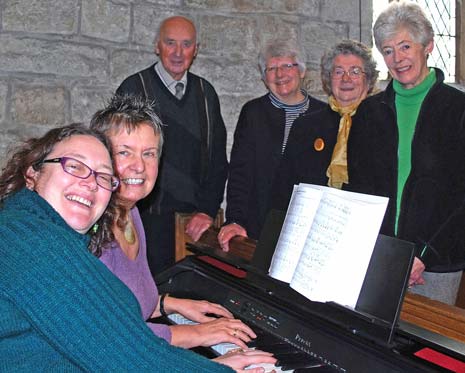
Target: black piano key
[[309, 363], [290, 358], [264, 340], [278, 348], [323, 369]]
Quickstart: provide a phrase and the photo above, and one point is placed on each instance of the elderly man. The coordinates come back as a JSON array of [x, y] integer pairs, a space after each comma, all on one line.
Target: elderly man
[[193, 167], [260, 138]]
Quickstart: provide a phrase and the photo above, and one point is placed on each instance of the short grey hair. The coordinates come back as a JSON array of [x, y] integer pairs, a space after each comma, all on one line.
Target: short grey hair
[[280, 48], [348, 47], [403, 15], [128, 112]]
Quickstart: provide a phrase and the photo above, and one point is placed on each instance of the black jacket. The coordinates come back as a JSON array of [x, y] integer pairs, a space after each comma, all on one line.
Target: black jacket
[[433, 202], [255, 156]]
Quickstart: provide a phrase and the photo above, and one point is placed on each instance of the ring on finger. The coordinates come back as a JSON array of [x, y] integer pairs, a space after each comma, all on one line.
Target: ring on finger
[[236, 350]]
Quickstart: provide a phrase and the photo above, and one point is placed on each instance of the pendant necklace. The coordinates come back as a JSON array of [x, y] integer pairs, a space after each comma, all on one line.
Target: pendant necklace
[[129, 234]]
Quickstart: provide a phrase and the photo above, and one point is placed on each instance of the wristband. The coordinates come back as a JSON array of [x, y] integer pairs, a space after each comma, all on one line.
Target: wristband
[[162, 305]]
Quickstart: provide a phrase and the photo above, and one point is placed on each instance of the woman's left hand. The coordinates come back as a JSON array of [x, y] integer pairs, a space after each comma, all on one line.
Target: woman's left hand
[[196, 310]]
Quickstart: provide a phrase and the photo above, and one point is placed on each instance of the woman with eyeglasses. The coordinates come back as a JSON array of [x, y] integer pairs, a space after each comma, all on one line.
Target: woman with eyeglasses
[[317, 150], [261, 137], [135, 132], [61, 308], [412, 149]]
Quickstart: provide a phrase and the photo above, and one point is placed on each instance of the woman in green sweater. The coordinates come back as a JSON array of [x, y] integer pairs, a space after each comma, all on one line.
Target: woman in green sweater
[[411, 147], [61, 309]]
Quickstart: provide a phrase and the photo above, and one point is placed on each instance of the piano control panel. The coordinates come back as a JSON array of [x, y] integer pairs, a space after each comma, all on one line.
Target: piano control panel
[[274, 323]]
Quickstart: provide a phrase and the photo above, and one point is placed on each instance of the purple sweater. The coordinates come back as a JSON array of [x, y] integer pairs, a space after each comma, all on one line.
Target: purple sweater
[[136, 275]]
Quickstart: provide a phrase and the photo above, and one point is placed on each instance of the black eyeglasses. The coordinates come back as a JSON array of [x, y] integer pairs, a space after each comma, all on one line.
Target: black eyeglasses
[[353, 73], [82, 171], [286, 67]]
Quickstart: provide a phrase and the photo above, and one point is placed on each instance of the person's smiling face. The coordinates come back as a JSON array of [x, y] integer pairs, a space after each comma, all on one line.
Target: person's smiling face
[[177, 46], [136, 162], [406, 59], [80, 202], [282, 81], [348, 90]]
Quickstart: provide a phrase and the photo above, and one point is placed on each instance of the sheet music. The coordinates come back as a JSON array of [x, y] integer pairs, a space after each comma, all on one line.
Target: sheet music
[[326, 242], [320, 255], [302, 209]]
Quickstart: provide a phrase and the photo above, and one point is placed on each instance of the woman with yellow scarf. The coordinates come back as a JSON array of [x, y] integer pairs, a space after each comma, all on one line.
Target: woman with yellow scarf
[[317, 146]]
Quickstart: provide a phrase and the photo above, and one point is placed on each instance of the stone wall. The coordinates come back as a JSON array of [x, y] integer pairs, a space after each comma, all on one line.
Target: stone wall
[[60, 60]]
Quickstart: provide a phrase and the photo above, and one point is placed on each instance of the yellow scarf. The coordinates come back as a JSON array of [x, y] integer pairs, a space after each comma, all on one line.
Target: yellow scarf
[[337, 170]]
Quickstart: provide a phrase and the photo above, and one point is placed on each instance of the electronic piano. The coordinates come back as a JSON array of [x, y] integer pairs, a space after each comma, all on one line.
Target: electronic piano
[[305, 336]]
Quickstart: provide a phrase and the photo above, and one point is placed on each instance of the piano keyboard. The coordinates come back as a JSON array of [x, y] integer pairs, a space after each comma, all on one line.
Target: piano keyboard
[[286, 355]]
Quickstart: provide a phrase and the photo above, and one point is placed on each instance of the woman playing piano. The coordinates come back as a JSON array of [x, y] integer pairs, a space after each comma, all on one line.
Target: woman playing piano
[[61, 309], [135, 133]]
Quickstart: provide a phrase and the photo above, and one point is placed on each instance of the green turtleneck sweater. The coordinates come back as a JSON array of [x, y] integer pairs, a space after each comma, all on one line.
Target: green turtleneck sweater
[[62, 310], [408, 104]]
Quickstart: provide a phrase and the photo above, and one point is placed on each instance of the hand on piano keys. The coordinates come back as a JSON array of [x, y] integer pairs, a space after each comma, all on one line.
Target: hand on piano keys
[[290, 359], [211, 333], [249, 360]]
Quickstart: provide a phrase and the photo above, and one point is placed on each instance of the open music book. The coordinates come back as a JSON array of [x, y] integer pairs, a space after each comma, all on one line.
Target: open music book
[[326, 242]]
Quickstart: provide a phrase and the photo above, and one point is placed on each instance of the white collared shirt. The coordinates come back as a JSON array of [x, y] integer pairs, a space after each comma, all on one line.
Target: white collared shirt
[[168, 80]]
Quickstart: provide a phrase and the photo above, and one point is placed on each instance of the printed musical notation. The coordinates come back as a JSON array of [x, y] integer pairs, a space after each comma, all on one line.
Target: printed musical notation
[[326, 242]]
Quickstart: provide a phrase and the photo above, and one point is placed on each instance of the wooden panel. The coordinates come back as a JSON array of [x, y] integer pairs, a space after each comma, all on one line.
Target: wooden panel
[[460, 302], [181, 238], [434, 316]]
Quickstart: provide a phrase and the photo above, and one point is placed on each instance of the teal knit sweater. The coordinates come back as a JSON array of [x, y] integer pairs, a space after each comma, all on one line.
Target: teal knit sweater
[[62, 310]]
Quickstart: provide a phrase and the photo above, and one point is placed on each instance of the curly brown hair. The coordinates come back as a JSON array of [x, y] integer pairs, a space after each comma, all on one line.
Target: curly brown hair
[[35, 150]]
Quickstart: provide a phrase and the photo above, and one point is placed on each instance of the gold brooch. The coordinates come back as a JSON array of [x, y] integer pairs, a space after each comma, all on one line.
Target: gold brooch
[[319, 144]]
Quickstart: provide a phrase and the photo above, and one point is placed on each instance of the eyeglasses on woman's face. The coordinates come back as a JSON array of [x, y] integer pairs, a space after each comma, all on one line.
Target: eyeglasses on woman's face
[[353, 73], [285, 67], [82, 171]]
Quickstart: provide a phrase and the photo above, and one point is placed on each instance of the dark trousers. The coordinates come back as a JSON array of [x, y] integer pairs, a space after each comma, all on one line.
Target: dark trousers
[[159, 232]]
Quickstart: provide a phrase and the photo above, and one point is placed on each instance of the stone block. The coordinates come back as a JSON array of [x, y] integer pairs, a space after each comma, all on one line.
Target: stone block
[[41, 16], [8, 143], [86, 101], [243, 77], [231, 106], [3, 100], [341, 11], [281, 27], [308, 7], [366, 36], [147, 19], [232, 37], [317, 37], [127, 62], [34, 56], [167, 3], [105, 20], [312, 83], [39, 105]]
